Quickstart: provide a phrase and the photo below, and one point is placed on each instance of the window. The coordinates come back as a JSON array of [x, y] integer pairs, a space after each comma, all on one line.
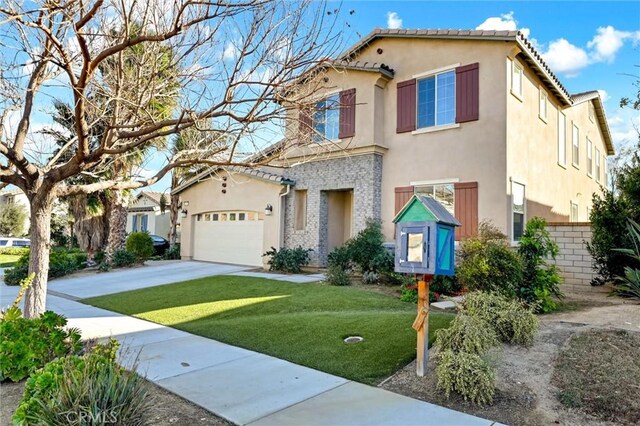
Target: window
[[604, 171], [562, 139], [326, 119], [590, 159], [544, 101], [575, 142], [516, 79], [518, 210], [437, 100], [300, 209], [597, 165], [592, 112], [241, 216], [207, 217], [232, 216], [198, 217], [575, 209], [223, 217], [215, 217], [443, 193]]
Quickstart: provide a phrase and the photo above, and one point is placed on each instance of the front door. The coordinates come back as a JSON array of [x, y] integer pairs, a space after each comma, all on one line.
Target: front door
[[340, 217]]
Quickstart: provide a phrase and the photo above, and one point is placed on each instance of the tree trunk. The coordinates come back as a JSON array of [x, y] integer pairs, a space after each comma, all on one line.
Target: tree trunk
[[173, 228], [117, 223], [36, 295]]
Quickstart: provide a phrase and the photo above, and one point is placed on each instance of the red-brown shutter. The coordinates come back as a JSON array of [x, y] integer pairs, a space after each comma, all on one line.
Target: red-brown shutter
[[305, 123], [467, 93], [466, 209], [403, 195], [406, 108], [347, 113]]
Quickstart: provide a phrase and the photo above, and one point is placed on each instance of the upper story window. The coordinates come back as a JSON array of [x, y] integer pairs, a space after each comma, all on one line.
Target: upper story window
[[590, 159], [605, 178], [544, 105], [562, 139], [326, 119], [592, 112], [437, 100], [597, 165], [575, 143], [517, 75], [444, 193]]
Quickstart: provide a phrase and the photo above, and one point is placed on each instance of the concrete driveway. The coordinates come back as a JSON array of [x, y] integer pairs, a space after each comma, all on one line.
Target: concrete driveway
[[89, 285]]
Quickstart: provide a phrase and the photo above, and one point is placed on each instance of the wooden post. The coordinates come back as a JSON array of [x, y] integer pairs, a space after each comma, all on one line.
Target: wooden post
[[422, 326]]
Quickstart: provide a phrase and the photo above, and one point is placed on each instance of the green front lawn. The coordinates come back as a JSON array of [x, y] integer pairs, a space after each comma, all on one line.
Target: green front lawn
[[302, 323], [8, 260]]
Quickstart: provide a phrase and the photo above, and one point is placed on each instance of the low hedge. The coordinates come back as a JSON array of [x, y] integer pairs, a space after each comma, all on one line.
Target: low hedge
[[14, 251], [61, 262]]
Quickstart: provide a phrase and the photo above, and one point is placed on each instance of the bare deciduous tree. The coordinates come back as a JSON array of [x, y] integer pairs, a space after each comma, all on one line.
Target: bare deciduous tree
[[231, 59]]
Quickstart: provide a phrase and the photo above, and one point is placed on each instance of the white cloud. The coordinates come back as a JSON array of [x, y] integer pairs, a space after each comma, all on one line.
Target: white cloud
[[604, 95], [504, 22], [624, 126], [230, 52], [393, 20], [565, 58], [607, 41]]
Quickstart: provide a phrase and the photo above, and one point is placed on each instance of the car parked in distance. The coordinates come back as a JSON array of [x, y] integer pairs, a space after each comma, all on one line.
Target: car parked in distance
[[14, 242], [160, 245]]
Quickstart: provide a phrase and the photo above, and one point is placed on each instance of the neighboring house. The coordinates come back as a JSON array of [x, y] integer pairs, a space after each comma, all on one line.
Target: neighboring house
[[16, 196], [473, 118], [144, 214]]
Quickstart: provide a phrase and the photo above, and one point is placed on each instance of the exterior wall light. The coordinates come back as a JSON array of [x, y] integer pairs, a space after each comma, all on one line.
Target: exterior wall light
[[268, 211], [184, 212]]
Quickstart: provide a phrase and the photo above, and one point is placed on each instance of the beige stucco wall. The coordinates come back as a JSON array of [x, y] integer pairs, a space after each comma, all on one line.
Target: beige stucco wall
[[532, 147], [243, 193]]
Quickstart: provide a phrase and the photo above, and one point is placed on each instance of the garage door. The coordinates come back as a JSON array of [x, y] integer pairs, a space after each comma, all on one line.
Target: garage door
[[229, 237]]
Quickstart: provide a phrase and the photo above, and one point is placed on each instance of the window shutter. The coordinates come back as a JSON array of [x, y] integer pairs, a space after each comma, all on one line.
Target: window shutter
[[467, 93], [347, 113], [403, 194], [406, 108], [305, 122], [466, 209]]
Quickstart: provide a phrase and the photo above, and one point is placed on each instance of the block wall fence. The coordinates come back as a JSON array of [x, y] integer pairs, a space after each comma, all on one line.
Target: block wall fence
[[574, 261]]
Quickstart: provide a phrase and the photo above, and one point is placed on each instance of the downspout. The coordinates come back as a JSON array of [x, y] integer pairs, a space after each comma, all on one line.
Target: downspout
[[282, 213]]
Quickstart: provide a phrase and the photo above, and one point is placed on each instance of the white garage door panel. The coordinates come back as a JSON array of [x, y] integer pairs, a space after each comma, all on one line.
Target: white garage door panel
[[238, 242]]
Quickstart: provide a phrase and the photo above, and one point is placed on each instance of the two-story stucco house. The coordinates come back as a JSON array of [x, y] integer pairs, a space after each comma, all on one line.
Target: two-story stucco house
[[473, 118]]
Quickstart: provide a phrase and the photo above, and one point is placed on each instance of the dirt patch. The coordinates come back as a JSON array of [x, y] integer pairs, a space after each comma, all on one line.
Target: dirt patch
[[603, 382], [168, 408], [524, 395]]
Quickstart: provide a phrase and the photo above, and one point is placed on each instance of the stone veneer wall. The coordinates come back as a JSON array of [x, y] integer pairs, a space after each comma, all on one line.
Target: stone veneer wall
[[362, 173], [574, 261]]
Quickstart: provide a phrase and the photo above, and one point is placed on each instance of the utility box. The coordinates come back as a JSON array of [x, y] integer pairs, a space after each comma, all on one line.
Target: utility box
[[425, 238]]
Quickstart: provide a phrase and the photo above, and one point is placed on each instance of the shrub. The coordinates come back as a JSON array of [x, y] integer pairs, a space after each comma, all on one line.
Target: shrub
[[173, 253], [409, 290], [122, 258], [335, 275], [14, 251], [370, 277], [99, 257], [487, 263], [61, 262], [467, 334], [340, 257], [288, 260], [73, 389], [366, 249], [140, 244], [442, 284], [28, 344], [540, 281], [467, 374], [628, 284], [512, 321]]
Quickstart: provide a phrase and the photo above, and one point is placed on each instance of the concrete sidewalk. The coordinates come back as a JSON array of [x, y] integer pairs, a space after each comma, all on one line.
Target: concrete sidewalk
[[243, 386]]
